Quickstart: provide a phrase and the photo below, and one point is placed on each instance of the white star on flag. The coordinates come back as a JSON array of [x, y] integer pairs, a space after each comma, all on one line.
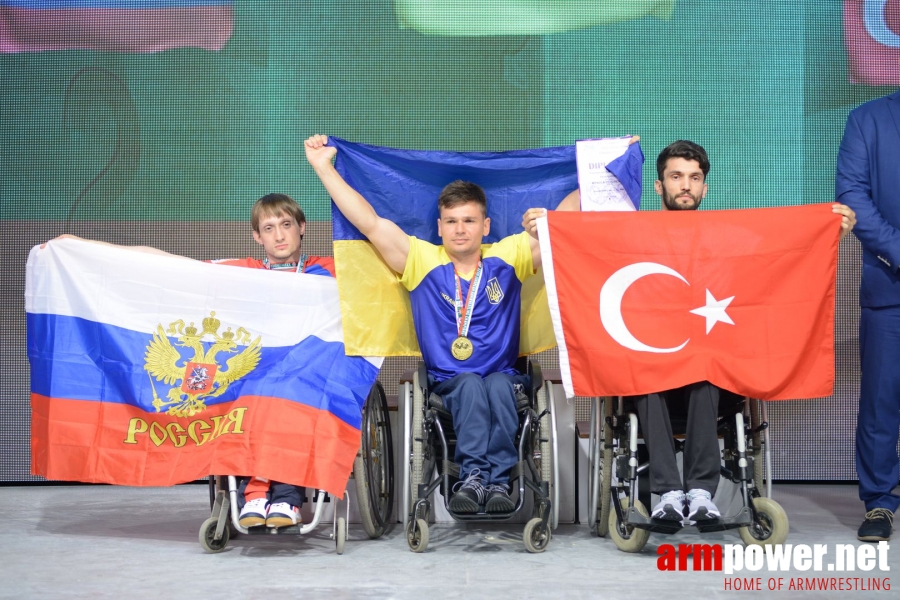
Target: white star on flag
[[714, 311]]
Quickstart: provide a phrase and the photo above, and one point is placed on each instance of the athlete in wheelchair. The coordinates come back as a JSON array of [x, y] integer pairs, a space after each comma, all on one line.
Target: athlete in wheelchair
[[373, 474], [682, 168], [465, 302], [256, 505], [436, 450], [622, 477]]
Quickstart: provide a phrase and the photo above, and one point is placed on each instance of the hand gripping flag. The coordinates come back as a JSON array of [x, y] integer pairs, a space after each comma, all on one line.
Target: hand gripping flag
[[114, 25], [650, 301], [155, 370], [403, 187], [872, 37]]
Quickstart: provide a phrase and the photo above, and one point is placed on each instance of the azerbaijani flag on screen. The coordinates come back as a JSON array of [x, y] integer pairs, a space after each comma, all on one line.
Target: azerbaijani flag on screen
[[114, 25], [155, 370], [521, 17]]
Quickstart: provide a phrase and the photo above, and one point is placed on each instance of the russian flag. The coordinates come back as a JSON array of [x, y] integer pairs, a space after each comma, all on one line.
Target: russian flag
[[153, 370], [114, 25]]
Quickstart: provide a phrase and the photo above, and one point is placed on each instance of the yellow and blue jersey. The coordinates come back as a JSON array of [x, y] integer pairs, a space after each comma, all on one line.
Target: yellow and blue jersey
[[494, 329]]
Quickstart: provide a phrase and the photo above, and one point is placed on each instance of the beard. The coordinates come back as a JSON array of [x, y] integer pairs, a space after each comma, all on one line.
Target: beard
[[672, 204]]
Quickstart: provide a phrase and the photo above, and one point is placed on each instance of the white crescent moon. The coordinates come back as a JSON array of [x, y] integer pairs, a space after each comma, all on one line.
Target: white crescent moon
[[611, 304], [877, 27]]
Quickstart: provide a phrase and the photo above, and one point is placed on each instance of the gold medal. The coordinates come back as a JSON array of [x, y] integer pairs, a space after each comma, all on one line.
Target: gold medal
[[461, 348]]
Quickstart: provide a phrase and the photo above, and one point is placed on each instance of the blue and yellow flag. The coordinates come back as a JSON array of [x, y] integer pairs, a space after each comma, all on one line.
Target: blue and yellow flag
[[403, 186]]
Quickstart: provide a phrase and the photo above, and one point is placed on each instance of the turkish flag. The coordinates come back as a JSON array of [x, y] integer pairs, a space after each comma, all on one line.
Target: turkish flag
[[650, 301], [872, 36]]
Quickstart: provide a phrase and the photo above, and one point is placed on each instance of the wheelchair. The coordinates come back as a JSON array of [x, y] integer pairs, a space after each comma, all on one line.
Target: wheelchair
[[617, 504], [373, 472], [430, 443]]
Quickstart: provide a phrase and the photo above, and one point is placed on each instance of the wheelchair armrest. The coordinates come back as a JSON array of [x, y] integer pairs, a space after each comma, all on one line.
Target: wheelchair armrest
[[423, 377]]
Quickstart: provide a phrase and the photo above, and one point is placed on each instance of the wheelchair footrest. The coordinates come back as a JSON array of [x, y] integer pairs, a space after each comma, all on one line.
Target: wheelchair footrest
[[483, 516], [743, 519], [263, 530]]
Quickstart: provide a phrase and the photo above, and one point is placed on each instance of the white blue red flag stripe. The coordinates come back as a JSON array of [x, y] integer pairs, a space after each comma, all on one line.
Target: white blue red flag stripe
[[153, 370]]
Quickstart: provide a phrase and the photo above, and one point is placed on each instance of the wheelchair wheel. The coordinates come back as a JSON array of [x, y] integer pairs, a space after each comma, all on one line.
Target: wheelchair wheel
[[771, 526], [756, 440], [417, 443], [536, 537], [543, 449], [626, 537], [373, 469], [603, 472], [208, 534], [417, 535], [544, 438], [340, 535]]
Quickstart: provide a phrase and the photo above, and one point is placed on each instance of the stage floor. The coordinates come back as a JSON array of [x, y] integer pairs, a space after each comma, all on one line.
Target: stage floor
[[100, 541]]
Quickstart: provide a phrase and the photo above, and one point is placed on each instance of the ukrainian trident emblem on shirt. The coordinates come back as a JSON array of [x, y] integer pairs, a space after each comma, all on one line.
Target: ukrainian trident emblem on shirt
[[201, 376], [494, 291]]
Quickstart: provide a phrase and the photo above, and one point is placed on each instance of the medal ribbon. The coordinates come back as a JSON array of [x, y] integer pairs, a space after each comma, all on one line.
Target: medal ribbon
[[464, 311], [298, 267]]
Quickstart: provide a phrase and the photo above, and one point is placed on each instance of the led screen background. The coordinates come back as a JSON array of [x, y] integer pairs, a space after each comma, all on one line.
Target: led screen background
[[171, 148]]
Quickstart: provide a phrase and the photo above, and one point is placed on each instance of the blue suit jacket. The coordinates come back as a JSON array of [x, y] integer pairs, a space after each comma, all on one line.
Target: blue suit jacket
[[868, 181]]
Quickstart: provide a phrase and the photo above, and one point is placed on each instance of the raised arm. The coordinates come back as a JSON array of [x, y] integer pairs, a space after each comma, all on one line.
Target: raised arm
[[390, 241], [529, 224], [573, 200]]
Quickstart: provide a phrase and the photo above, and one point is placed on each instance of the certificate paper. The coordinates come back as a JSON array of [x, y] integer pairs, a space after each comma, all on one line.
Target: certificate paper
[[600, 189]]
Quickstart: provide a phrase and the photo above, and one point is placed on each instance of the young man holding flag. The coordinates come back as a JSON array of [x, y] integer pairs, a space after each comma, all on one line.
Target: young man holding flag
[[466, 308], [278, 225], [682, 168]]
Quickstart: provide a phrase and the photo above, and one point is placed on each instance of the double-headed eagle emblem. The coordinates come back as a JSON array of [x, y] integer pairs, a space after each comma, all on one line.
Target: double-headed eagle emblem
[[201, 375]]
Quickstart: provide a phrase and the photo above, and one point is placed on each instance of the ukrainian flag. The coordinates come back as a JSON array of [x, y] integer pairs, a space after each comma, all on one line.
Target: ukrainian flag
[[403, 186]]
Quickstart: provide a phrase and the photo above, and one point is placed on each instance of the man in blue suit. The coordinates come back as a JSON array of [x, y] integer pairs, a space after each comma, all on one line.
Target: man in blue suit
[[868, 180]]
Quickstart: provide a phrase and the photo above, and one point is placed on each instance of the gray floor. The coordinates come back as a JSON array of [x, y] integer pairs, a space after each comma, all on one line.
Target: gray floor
[[98, 541]]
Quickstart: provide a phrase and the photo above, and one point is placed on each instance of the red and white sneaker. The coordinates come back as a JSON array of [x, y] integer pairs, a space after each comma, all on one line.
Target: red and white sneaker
[[282, 514]]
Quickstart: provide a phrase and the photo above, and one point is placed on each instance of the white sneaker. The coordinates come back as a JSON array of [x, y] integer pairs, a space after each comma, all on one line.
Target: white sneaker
[[282, 514], [701, 507], [254, 513], [670, 507]]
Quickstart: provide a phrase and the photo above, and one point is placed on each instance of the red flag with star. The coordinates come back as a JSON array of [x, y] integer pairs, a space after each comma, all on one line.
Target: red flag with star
[[650, 301]]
